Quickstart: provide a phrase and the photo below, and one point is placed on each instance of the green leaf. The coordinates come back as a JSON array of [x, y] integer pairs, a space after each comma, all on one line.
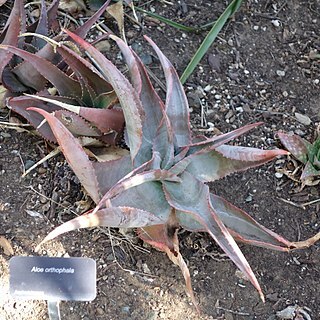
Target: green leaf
[[176, 106], [129, 100], [209, 39], [192, 197], [148, 196]]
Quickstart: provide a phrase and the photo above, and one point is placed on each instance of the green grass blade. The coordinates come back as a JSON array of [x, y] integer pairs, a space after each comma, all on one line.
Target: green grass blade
[[168, 21], [211, 36]]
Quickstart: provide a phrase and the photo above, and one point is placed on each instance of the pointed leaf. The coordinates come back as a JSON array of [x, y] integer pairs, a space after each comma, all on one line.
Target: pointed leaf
[[84, 29], [30, 76], [221, 139], [77, 125], [74, 154], [177, 107], [134, 181], [245, 228], [65, 85], [129, 100], [106, 120], [158, 237], [296, 145], [10, 33], [42, 26], [117, 217], [85, 70], [156, 125], [192, 197], [210, 165], [21, 104], [309, 171]]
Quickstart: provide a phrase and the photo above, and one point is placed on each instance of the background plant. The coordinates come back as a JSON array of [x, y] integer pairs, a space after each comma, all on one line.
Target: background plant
[[161, 185], [37, 72], [305, 152]]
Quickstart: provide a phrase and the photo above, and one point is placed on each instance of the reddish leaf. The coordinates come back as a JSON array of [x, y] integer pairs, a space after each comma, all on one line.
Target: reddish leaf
[[177, 107], [21, 104], [156, 126], [74, 154], [245, 228], [10, 33], [192, 197], [158, 237], [132, 108], [217, 141], [295, 145], [64, 84], [209, 165], [118, 217]]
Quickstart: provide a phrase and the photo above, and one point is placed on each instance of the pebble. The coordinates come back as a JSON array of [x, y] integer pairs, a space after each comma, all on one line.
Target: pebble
[[280, 73], [278, 175], [5, 134], [103, 46], [302, 118], [217, 96], [276, 23], [29, 164]]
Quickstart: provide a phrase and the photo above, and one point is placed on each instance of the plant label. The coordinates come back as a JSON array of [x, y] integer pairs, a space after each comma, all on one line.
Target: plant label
[[53, 279]]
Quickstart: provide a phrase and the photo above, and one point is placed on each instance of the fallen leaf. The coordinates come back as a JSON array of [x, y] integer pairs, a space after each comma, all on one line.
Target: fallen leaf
[[6, 246]]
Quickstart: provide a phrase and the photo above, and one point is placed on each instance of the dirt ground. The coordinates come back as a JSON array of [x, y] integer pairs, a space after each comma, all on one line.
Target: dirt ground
[[262, 67]]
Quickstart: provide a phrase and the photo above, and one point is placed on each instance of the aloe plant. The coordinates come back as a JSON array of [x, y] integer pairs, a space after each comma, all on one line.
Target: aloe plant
[[161, 185], [305, 152], [84, 101]]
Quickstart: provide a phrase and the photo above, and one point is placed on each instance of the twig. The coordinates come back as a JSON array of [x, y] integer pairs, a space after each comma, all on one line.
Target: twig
[[44, 159], [238, 313], [51, 200], [292, 203], [132, 272]]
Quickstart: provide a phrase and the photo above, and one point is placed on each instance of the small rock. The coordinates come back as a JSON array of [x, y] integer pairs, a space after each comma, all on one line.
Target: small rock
[[287, 313], [146, 58], [103, 46], [276, 23], [303, 118], [278, 175], [99, 311], [29, 164], [5, 134], [280, 73], [42, 170]]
